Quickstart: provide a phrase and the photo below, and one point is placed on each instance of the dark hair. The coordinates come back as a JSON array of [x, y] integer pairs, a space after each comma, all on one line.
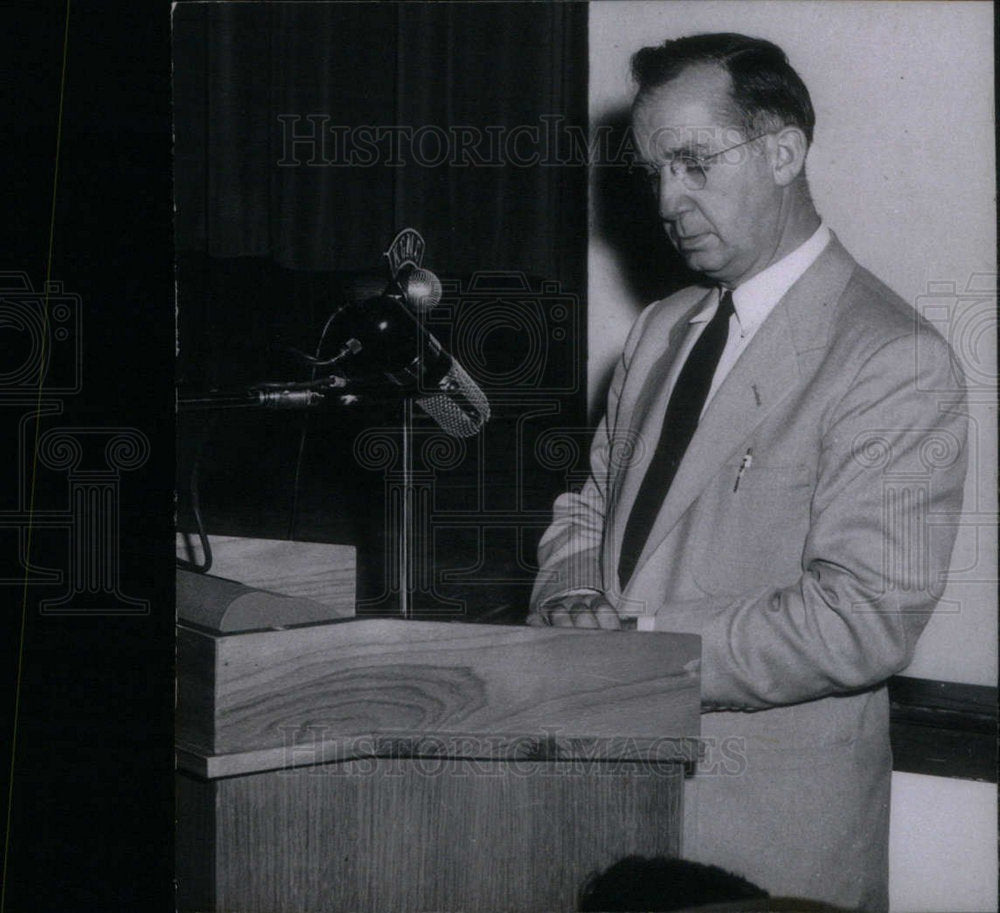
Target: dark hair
[[766, 91], [637, 883]]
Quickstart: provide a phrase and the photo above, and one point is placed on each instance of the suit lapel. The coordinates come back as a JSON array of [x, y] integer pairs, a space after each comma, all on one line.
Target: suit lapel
[[647, 414], [765, 374]]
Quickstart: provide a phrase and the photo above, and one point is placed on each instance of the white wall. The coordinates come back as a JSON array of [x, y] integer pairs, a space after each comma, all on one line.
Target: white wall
[[938, 857], [902, 169]]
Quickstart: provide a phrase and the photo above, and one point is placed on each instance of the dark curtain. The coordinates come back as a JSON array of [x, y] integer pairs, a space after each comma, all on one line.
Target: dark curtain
[[244, 72], [271, 235]]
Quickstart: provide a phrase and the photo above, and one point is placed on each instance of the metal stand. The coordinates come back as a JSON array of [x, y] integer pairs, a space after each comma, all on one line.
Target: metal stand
[[405, 556]]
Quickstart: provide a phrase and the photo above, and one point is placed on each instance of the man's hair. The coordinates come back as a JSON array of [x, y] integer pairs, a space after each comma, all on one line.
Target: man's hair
[[766, 92], [636, 883]]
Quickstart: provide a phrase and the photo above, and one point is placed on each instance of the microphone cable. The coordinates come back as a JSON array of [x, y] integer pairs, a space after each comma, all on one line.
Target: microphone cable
[[296, 478], [193, 491]]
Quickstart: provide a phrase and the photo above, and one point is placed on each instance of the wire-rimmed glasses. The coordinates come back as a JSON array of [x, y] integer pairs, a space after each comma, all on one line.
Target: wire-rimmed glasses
[[689, 167]]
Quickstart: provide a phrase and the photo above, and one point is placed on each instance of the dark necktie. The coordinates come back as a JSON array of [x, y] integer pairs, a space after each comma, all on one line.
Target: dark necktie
[[679, 423]]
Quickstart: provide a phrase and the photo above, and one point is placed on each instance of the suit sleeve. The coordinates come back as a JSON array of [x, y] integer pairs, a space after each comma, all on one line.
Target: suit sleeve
[[882, 525], [569, 553]]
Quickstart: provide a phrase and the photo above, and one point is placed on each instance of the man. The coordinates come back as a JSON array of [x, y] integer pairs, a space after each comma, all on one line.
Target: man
[[767, 475]]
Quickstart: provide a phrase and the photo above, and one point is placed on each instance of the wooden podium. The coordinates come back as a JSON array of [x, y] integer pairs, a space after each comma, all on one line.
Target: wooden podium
[[385, 765]]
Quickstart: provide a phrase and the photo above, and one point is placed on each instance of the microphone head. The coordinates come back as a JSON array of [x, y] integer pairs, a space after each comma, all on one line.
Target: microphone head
[[461, 408], [421, 289]]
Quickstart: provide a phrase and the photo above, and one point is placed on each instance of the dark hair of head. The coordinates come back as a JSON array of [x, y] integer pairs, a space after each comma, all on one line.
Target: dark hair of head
[[658, 884], [766, 91]]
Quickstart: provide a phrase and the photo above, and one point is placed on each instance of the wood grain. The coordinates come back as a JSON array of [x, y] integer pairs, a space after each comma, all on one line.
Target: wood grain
[[319, 571], [367, 678], [381, 765], [392, 836]]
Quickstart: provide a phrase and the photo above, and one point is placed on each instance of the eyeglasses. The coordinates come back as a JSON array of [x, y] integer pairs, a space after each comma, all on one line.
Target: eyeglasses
[[690, 168]]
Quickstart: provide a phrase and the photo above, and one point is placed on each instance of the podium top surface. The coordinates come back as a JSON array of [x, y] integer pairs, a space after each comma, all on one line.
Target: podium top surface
[[264, 583], [375, 687]]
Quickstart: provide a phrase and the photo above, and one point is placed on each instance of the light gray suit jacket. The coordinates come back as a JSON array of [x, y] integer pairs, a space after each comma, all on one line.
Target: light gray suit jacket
[[809, 581]]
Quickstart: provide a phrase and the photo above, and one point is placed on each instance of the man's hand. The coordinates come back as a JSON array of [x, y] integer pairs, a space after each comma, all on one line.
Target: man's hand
[[577, 610]]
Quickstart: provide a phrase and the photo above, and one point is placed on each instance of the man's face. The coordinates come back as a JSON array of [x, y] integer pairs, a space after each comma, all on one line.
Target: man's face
[[730, 228]]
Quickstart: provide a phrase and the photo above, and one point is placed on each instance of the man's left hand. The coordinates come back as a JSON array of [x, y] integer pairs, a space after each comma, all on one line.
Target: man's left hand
[[578, 610]]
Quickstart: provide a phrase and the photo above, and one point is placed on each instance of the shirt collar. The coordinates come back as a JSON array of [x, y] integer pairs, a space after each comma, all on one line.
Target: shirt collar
[[756, 298]]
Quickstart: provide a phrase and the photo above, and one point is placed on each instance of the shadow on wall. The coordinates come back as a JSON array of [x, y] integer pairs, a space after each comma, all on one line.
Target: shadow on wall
[[626, 219]]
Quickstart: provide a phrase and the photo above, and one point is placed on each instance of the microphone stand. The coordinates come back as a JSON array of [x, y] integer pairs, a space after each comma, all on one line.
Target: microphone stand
[[332, 392], [405, 553]]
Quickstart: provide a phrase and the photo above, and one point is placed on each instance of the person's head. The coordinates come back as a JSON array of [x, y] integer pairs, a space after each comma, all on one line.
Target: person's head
[[658, 884], [723, 124]]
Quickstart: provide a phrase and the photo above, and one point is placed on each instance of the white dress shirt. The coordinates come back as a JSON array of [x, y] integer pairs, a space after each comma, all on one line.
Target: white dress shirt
[[752, 302]]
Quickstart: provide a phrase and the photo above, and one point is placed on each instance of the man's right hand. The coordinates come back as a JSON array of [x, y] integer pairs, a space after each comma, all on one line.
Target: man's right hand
[[577, 610]]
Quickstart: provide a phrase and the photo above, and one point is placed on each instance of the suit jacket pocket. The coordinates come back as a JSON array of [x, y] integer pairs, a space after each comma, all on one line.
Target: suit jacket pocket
[[752, 536]]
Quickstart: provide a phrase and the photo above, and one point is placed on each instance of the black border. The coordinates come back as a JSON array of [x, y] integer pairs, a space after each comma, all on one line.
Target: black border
[[99, 836]]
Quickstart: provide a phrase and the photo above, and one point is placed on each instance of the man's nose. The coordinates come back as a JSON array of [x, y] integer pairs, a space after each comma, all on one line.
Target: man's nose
[[673, 195]]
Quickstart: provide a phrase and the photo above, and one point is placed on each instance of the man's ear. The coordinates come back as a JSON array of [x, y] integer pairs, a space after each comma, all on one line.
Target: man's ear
[[788, 155]]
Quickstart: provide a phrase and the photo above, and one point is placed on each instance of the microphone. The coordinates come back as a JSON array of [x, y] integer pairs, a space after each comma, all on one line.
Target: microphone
[[393, 344], [287, 399], [421, 289], [460, 408], [276, 396], [380, 337]]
